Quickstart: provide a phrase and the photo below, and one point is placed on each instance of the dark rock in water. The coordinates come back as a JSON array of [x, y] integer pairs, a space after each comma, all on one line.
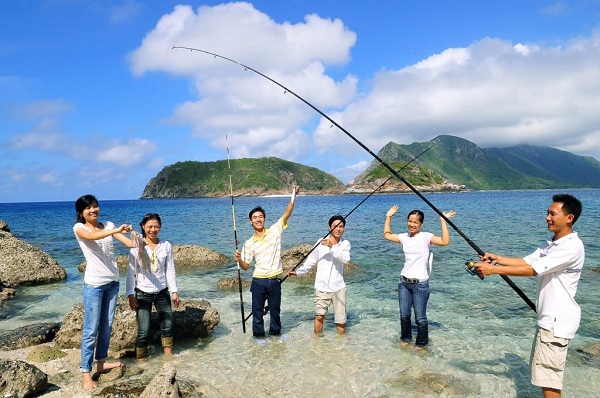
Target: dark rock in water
[[232, 284], [4, 226], [25, 264], [29, 335], [20, 379], [595, 269], [195, 318], [6, 293], [592, 351], [437, 384]]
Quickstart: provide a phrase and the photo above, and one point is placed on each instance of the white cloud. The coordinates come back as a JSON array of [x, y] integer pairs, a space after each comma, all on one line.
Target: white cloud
[[238, 102], [126, 153]]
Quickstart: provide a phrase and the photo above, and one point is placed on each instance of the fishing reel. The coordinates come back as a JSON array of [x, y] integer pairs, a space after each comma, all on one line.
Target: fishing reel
[[470, 268]]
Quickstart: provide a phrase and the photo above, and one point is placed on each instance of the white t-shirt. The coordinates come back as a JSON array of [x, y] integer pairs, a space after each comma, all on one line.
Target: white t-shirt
[[101, 267], [416, 255], [330, 265], [559, 264], [152, 281]]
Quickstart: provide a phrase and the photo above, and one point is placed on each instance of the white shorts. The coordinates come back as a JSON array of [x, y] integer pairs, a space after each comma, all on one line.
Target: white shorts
[[324, 299], [548, 359]]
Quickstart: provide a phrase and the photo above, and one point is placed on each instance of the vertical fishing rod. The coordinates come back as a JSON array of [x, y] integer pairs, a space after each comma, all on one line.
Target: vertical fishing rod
[[352, 211], [236, 239], [387, 166]]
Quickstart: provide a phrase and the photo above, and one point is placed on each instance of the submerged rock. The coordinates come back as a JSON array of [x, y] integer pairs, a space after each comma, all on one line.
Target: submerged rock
[[29, 335], [232, 284]]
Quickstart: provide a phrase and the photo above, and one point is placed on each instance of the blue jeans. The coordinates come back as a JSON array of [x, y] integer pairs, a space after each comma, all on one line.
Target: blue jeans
[[263, 290], [99, 304], [162, 301], [414, 296]]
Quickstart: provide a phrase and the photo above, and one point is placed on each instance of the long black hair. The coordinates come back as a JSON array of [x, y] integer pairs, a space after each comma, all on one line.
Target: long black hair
[[83, 203], [148, 217]]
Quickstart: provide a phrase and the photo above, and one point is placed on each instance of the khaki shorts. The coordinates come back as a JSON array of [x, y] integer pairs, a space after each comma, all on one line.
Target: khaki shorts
[[324, 299], [548, 359]]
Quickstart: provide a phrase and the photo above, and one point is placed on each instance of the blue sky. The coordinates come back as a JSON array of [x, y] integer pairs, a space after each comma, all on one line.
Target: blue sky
[[93, 99]]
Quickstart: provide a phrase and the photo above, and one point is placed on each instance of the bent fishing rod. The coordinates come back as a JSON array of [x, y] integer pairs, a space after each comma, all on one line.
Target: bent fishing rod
[[383, 163], [352, 211], [236, 239]]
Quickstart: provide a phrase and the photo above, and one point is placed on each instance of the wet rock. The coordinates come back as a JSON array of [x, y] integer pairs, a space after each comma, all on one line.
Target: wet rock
[[6, 293], [29, 335], [43, 353], [164, 384], [25, 264], [20, 379], [592, 351], [292, 256], [4, 226], [232, 284], [193, 319], [595, 269], [437, 384]]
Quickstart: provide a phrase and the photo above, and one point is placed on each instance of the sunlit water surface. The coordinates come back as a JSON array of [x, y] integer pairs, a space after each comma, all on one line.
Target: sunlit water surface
[[480, 332]]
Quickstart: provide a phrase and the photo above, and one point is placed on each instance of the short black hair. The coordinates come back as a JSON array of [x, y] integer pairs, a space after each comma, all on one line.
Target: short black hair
[[148, 217], [257, 208], [570, 204], [337, 218]]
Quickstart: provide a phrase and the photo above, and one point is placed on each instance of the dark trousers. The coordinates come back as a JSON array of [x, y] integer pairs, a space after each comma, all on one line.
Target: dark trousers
[[162, 301], [263, 290]]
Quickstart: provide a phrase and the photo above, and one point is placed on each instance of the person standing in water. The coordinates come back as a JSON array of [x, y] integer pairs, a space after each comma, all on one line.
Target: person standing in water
[[330, 255], [558, 262], [101, 284], [265, 248], [151, 280], [413, 288]]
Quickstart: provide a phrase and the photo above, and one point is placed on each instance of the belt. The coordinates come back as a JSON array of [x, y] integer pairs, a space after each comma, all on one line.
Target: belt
[[410, 280], [271, 277]]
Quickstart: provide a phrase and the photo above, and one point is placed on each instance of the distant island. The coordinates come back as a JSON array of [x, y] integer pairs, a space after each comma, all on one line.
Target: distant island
[[445, 163]]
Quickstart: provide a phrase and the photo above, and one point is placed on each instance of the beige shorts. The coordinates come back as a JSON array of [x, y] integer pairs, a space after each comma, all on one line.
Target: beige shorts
[[324, 299], [548, 359]]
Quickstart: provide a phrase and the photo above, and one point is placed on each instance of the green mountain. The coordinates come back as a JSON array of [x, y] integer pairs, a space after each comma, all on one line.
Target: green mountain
[[251, 177], [462, 162]]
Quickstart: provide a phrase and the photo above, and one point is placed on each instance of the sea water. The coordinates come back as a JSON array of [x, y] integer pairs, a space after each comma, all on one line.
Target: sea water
[[480, 331]]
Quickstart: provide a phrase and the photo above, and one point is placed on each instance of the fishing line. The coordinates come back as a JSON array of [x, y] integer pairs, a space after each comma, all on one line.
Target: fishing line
[[236, 239], [387, 166]]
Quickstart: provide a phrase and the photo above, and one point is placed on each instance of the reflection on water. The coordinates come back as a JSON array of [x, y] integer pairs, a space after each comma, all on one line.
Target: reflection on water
[[481, 331]]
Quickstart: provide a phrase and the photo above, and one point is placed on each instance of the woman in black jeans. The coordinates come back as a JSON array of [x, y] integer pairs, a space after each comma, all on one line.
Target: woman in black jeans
[[151, 280]]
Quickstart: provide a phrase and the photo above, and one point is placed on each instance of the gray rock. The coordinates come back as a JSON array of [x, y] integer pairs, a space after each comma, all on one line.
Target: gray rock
[[4, 226], [20, 379], [27, 336], [193, 319], [6, 293], [164, 384], [43, 353], [592, 351], [292, 256], [232, 284], [186, 258], [25, 264]]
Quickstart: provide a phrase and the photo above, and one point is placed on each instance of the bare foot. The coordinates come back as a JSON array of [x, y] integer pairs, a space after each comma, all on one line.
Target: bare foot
[[103, 367], [168, 350], [88, 383], [404, 344]]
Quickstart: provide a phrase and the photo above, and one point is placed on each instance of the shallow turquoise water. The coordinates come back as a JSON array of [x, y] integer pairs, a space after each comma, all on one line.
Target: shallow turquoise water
[[481, 331]]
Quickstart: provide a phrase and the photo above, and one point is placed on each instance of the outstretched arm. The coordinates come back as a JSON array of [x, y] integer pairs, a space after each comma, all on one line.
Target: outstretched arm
[[444, 240], [387, 227], [500, 265], [290, 207]]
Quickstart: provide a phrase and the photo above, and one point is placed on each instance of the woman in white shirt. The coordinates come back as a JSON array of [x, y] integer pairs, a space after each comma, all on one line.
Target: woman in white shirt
[[101, 284], [413, 288], [151, 280]]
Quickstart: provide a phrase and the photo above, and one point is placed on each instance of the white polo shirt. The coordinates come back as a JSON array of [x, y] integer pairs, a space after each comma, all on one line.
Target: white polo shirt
[[559, 264]]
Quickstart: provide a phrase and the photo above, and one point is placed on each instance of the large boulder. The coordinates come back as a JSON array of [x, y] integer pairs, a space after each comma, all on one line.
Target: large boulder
[[164, 384], [294, 255], [29, 335], [186, 258], [25, 264], [4, 226], [20, 379], [195, 318]]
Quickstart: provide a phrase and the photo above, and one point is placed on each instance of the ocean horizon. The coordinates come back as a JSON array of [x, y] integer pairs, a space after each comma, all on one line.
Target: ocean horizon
[[480, 331]]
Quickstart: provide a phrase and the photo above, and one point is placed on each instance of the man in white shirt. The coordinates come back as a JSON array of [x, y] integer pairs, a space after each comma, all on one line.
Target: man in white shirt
[[558, 262], [330, 255]]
